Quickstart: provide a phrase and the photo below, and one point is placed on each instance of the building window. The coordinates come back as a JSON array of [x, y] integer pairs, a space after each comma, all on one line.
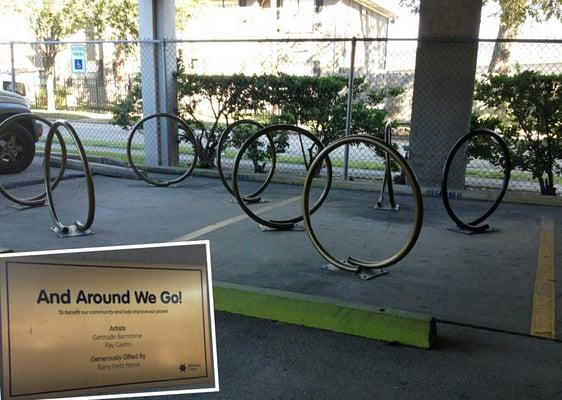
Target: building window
[[242, 3], [318, 5], [316, 70]]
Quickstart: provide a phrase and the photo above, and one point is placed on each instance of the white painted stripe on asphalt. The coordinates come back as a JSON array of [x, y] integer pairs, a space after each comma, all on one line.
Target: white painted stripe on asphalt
[[229, 221]]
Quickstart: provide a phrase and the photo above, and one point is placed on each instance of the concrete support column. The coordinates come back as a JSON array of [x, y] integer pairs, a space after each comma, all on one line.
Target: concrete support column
[[159, 93], [443, 87]]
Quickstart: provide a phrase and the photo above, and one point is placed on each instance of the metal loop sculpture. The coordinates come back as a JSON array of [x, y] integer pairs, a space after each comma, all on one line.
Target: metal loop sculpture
[[188, 136], [474, 226], [355, 264], [289, 223], [223, 140], [39, 199], [78, 228]]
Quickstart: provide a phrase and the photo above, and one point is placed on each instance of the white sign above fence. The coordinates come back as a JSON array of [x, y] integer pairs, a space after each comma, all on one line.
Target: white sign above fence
[[78, 59]]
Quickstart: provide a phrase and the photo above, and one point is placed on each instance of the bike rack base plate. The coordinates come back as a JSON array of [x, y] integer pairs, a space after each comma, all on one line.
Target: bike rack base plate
[[173, 185], [294, 228], [72, 231], [362, 274], [387, 207], [251, 202], [466, 232], [368, 275]]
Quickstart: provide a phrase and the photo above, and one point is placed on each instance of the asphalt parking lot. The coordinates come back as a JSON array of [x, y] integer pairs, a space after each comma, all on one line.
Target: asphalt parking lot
[[480, 288]]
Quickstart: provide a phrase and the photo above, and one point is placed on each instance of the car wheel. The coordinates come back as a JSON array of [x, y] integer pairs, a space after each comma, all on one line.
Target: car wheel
[[17, 149]]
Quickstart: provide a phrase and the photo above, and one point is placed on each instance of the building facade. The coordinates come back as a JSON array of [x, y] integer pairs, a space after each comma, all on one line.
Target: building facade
[[286, 19]]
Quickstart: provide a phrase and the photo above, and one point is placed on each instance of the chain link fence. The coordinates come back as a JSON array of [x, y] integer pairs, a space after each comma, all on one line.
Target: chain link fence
[[219, 82]]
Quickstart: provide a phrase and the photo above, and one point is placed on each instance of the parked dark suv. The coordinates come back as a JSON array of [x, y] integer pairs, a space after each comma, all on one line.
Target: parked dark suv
[[17, 141]]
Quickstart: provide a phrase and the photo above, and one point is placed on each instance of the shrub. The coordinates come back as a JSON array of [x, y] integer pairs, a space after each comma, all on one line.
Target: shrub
[[532, 127], [129, 110], [40, 99], [227, 98], [260, 150], [318, 103]]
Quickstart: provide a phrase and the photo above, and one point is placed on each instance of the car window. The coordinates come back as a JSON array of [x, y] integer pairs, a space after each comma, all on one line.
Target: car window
[[20, 87]]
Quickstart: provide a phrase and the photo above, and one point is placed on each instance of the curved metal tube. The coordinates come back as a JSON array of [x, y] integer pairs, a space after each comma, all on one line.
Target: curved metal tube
[[38, 200], [355, 264], [188, 137], [286, 223], [387, 179], [473, 226], [222, 141], [88, 176]]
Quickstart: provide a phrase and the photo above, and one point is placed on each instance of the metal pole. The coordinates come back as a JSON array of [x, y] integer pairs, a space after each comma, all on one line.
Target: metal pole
[[165, 127], [349, 108], [164, 106], [13, 67]]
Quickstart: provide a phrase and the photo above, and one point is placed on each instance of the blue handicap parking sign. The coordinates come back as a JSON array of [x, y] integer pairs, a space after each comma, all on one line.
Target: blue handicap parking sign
[[78, 59]]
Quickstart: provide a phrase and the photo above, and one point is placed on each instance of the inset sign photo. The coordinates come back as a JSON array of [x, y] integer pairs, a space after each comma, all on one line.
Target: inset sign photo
[[124, 320]]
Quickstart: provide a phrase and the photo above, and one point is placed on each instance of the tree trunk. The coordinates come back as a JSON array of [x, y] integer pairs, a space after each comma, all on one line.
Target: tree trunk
[[118, 63], [101, 84], [542, 186], [48, 53], [206, 156], [51, 103], [547, 185], [509, 29], [550, 188]]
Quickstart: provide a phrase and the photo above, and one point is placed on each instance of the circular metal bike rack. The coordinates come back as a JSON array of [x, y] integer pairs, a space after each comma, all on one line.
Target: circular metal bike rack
[[78, 228], [289, 223], [474, 226], [355, 264], [253, 197], [188, 136], [39, 199]]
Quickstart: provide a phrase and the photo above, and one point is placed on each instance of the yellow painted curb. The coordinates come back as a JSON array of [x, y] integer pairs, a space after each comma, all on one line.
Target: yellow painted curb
[[371, 322]]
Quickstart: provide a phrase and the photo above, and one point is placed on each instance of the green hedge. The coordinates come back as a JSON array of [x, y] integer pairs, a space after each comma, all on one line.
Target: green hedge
[[316, 103], [526, 108]]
